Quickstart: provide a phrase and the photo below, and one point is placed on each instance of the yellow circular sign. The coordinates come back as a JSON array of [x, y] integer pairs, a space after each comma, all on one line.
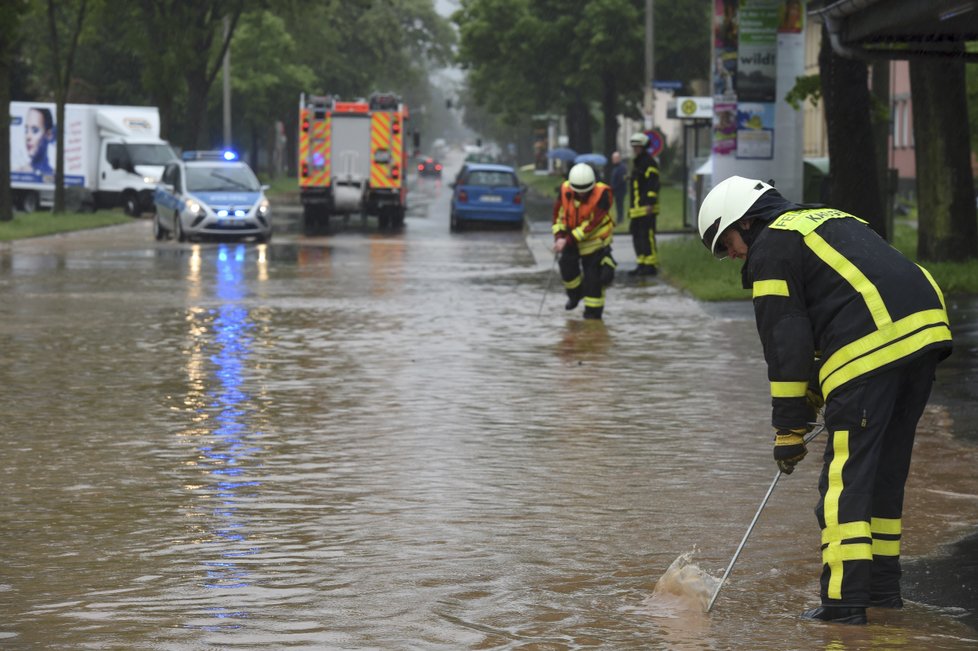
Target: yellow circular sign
[[688, 107]]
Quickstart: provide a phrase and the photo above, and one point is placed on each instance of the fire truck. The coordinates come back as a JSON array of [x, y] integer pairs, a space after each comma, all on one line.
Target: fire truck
[[352, 159]]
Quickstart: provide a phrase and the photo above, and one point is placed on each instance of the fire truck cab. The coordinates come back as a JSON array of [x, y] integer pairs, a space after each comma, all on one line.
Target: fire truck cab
[[352, 159]]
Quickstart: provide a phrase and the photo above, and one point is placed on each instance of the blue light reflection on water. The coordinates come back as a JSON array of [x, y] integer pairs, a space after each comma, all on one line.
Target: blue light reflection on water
[[229, 456]]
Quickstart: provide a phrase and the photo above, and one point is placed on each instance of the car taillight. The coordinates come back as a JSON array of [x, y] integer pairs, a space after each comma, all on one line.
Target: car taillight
[[421, 167], [305, 169], [396, 172], [518, 199], [463, 196], [437, 168]]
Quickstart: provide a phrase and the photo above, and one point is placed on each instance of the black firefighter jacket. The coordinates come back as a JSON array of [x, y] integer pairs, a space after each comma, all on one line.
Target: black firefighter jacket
[[825, 283]]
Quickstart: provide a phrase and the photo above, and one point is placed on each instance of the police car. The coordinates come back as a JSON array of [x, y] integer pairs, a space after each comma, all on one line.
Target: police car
[[210, 194]]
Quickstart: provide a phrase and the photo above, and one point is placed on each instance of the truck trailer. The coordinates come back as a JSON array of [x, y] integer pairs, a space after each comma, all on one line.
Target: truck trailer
[[352, 159], [112, 154]]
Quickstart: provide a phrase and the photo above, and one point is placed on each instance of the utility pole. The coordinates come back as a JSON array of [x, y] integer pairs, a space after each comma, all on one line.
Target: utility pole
[[648, 107], [227, 87]]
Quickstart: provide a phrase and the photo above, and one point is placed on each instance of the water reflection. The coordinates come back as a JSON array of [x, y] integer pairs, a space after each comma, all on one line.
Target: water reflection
[[229, 445]]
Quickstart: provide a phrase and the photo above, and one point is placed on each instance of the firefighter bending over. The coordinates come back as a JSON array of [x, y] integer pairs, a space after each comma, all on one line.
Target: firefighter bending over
[[825, 284], [583, 229]]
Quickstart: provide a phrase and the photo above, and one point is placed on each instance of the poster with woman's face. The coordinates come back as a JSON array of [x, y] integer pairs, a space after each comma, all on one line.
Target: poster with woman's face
[[32, 143]]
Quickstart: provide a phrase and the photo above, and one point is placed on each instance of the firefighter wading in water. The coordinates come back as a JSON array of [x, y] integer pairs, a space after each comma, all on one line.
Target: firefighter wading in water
[[583, 229], [832, 299]]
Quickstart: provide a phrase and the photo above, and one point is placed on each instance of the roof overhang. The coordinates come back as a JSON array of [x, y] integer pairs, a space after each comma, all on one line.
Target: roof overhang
[[898, 29]]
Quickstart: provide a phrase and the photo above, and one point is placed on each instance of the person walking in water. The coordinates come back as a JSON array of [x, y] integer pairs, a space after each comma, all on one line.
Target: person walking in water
[[583, 229], [826, 284], [644, 209]]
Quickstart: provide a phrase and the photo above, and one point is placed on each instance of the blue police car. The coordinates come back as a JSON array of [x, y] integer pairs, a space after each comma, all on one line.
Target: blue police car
[[211, 194]]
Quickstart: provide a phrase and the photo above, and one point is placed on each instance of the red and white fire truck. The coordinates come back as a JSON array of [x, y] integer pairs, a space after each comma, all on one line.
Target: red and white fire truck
[[352, 159]]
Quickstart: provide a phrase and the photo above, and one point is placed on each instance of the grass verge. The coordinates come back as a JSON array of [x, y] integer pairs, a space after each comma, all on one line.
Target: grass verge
[[687, 265], [36, 224]]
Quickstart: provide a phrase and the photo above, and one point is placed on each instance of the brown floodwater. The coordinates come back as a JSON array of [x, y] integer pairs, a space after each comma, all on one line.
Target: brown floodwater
[[371, 440]]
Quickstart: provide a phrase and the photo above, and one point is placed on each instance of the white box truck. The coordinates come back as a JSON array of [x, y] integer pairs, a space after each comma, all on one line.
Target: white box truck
[[113, 155]]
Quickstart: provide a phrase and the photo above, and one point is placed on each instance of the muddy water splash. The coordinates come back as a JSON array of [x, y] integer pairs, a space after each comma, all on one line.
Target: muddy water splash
[[684, 587]]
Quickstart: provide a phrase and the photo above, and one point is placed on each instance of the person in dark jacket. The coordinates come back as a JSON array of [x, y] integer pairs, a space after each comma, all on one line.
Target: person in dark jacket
[[834, 300], [644, 209]]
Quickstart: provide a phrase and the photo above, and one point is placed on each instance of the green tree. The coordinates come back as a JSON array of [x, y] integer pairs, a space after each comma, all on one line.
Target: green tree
[[265, 81], [572, 56], [185, 41]]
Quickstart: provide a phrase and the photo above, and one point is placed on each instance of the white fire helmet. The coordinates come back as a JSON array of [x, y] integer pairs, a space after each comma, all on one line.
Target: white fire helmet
[[581, 178], [726, 203], [639, 139]]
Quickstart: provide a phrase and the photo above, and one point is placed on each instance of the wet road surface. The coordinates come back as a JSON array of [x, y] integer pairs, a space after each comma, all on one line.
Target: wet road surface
[[372, 441]]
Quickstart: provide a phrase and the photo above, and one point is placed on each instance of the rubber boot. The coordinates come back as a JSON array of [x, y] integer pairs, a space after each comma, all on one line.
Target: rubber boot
[[593, 312], [837, 614], [572, 302]]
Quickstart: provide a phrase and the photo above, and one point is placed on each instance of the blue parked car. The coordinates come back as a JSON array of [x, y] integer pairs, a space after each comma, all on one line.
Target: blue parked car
[[487, 193]]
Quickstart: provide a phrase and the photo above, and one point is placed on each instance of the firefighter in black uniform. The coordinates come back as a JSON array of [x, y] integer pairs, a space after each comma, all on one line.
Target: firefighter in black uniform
[[644, 209], [583, 229], [824, 284]]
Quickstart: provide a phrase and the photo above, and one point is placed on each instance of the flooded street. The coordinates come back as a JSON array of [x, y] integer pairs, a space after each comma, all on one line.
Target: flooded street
[[372, 441]]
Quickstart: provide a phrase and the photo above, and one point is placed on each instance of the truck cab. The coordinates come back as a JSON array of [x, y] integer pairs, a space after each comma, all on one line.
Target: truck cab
[[129, 171]]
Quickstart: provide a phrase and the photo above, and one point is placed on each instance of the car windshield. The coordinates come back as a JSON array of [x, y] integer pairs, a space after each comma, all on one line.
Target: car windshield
[[491, 179], [226, 178], [150, 154]]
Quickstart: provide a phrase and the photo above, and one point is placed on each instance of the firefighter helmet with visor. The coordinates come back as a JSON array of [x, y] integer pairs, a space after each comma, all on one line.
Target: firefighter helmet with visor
[[724, 206], [581, 178], [639, 139]]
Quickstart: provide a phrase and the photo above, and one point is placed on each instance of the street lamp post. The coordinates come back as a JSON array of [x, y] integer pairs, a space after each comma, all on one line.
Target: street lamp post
[[648, 107]]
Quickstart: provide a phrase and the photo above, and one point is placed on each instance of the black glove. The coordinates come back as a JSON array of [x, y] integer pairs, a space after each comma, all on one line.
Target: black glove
[[789, 449]]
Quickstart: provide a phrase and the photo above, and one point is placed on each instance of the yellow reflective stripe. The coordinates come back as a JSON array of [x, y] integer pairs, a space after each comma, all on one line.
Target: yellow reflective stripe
[[557, 227], [576, 282], [855, 277], [846, 531], [886, 547], [880, 338], [788, 389], [888, 526], [594, 302], [840, 455], [770, 288], [884, 356], [836, 553], [933, 284]]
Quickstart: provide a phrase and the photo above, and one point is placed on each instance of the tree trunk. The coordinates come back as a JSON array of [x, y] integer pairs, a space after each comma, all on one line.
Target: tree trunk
[[609, 112], [579, 126], [197, 88], [881, 139], [854, 184], [6, 68], [946, 217]]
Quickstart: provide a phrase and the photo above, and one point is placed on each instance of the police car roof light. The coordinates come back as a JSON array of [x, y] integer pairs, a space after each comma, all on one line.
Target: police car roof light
[[210, 155]]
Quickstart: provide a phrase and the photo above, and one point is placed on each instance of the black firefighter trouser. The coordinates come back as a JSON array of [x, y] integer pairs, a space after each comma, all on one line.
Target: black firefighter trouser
[[871, 427], [643, 239], [586, 276]]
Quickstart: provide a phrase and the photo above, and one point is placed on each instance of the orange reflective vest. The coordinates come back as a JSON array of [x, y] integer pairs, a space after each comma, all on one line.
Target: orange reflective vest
[[589, 222]]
